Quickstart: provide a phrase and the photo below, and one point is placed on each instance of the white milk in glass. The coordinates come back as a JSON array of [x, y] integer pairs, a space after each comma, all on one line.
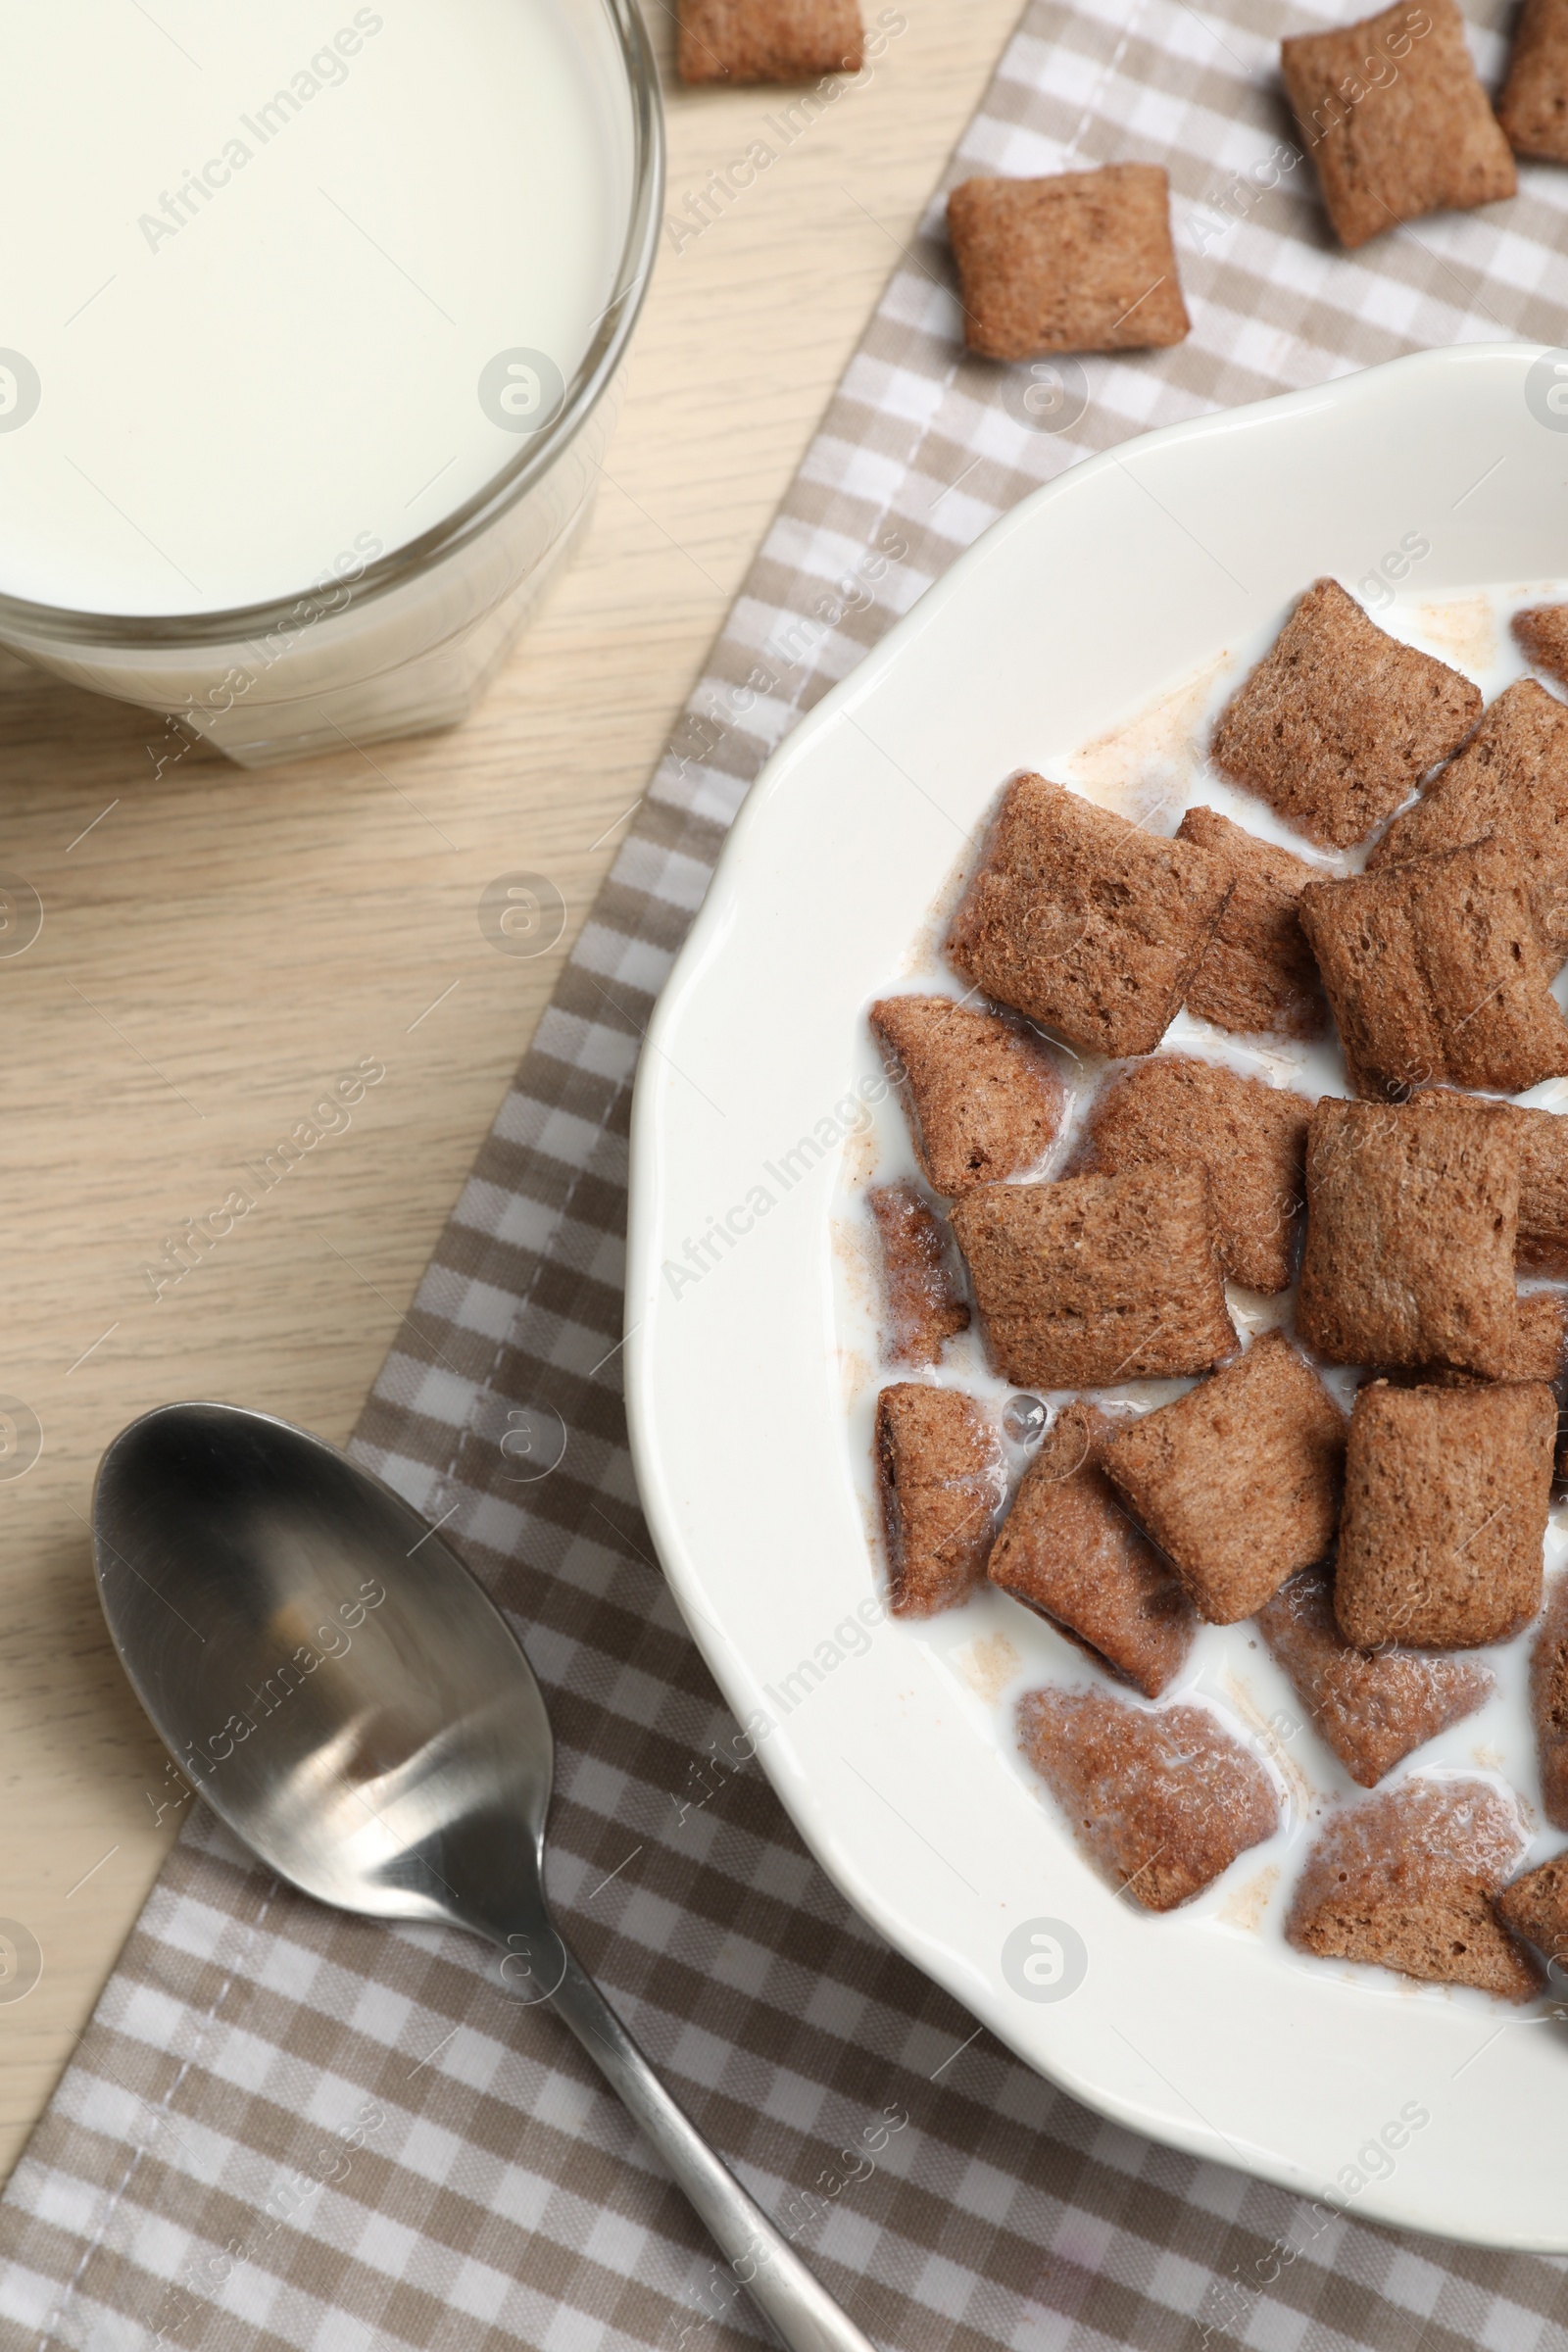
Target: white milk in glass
[[286, 288]]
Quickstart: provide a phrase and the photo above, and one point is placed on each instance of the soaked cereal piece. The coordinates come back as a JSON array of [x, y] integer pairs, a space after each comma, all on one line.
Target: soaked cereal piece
[[1412, 1228], [1446, 1498], [1549, 1704], [1539, 1351], [1537, 1906], [983, 1096], [1543, 1336], [1249, 1137], [1258, 977], [1238, 1480], [1069, 1551], [1406, 1881], [1097, 1279], [1163, 1803], [922, 1306], [1541, 1140], [1372, 1708], [1338, 723], [1084, 921], [1541, 634], [1510, 780], [1435, 973], [941, 1478]]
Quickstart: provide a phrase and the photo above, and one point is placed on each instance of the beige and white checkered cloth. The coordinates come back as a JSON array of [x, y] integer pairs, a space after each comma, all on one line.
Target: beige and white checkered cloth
[[287, 2128]]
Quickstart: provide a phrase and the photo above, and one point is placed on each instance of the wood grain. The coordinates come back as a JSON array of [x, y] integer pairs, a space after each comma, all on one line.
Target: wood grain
[[219, 944]]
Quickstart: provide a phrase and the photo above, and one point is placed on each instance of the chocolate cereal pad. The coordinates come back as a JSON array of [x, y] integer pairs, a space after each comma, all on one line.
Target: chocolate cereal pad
[[1392, 113], [940, 1480], [1411, 1235], [769, 40], [1084, 921], [1447, 1491], [1069, 1550], [1238, 1481], [1248, 1137], [983, 1096], [1162, 1802], [1338, 723], [1257, 975], [1098, 1280], [1081, 260]]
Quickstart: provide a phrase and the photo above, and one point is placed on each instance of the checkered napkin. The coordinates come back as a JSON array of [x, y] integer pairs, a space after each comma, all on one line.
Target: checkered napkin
[[286, 2127]]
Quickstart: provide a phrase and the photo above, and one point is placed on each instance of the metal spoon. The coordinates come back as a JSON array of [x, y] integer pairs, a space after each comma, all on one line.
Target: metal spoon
[[334, 1681]]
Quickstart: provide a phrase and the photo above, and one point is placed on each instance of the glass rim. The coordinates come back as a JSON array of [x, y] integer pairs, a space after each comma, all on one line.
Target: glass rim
[[67, 624]]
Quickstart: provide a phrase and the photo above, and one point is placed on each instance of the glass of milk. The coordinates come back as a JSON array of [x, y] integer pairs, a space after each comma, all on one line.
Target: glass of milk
[[306, 362]]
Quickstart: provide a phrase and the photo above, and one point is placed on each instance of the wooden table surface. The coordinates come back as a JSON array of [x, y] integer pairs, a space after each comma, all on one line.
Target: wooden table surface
[[219, 944]]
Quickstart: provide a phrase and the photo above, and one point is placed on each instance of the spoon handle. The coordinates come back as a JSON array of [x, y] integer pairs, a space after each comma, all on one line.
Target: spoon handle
[[800, 2311]]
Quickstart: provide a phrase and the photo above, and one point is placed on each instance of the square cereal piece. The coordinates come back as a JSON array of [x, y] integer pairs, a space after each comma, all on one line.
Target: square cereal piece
[[1395, 119], [1542, 633], [1084, 921], [942, 1480], [1372, 1708], [1549, 1704], [1080, 261], [1250, 1137], [1258, 977], [1338, 723], [982, 1093], [1162, 1802], [1069, 1551], [1096, 1279], [1543, 1338], [1510, 780], [1541, 1140], [769, 40], [1239, 1481], [1511, 777], [1410, 1235], [1537, 1906], [1435, 973], [1537, 1355], [1446, 1498], [1406, 1881], [922, 1308], [1534, 107]]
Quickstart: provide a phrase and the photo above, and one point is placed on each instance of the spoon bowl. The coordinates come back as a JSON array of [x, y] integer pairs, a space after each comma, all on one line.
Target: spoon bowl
[[323, 1668], [338, 1685]]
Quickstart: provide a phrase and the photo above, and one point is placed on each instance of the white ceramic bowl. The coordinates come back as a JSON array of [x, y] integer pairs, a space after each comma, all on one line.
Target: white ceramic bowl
[[1121, 580]]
